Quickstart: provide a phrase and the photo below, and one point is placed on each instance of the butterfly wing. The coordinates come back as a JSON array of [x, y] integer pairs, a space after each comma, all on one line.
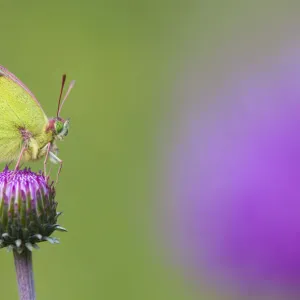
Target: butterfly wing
[[19, 109]]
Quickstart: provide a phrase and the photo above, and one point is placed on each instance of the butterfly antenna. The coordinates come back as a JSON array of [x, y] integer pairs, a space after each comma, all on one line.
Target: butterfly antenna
[[66, 96], [61, 91]]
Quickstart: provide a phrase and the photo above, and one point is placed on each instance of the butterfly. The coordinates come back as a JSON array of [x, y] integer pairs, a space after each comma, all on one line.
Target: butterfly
[[26, 133]]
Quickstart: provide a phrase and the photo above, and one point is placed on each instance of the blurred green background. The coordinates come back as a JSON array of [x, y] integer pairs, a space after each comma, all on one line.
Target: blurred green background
[[125, 56]]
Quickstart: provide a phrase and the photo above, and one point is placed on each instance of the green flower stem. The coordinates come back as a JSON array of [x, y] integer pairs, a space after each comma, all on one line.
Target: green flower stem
[[23, 264]]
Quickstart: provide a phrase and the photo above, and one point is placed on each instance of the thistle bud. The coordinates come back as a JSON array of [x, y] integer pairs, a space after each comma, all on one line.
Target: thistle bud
[[27, 210]]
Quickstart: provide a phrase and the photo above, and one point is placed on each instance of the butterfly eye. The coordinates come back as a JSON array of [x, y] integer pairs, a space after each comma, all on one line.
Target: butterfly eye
[[59, 127]]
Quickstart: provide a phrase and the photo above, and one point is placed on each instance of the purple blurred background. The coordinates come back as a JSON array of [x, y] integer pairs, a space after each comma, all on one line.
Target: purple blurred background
[[229, 150]]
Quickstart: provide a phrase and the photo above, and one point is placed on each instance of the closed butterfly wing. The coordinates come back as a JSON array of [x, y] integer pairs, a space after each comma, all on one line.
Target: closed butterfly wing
[[19, 110]]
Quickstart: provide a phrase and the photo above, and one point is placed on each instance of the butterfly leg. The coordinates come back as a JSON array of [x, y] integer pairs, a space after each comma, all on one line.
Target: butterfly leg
[[18, 162], [55, 159], [46, 158], [20, 158]]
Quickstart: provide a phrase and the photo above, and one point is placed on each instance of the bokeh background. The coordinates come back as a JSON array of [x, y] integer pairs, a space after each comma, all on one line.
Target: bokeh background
[[127, 58]]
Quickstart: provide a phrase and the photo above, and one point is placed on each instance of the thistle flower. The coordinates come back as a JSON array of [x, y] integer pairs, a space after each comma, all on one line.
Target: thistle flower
[[27, 210], [234, 184], [27, 216]]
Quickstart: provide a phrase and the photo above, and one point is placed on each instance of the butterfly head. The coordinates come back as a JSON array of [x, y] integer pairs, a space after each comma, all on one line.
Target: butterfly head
[[59, 127]]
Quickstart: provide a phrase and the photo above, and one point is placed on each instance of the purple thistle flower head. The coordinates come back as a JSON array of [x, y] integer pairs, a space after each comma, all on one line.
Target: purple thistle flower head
[[234, 183], [27, 210]]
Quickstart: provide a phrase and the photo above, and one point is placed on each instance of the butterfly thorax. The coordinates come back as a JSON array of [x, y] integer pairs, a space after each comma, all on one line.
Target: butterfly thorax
[[36, 144]]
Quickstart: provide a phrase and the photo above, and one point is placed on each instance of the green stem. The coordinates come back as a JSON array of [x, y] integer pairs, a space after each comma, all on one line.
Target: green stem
[[23, 264]]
